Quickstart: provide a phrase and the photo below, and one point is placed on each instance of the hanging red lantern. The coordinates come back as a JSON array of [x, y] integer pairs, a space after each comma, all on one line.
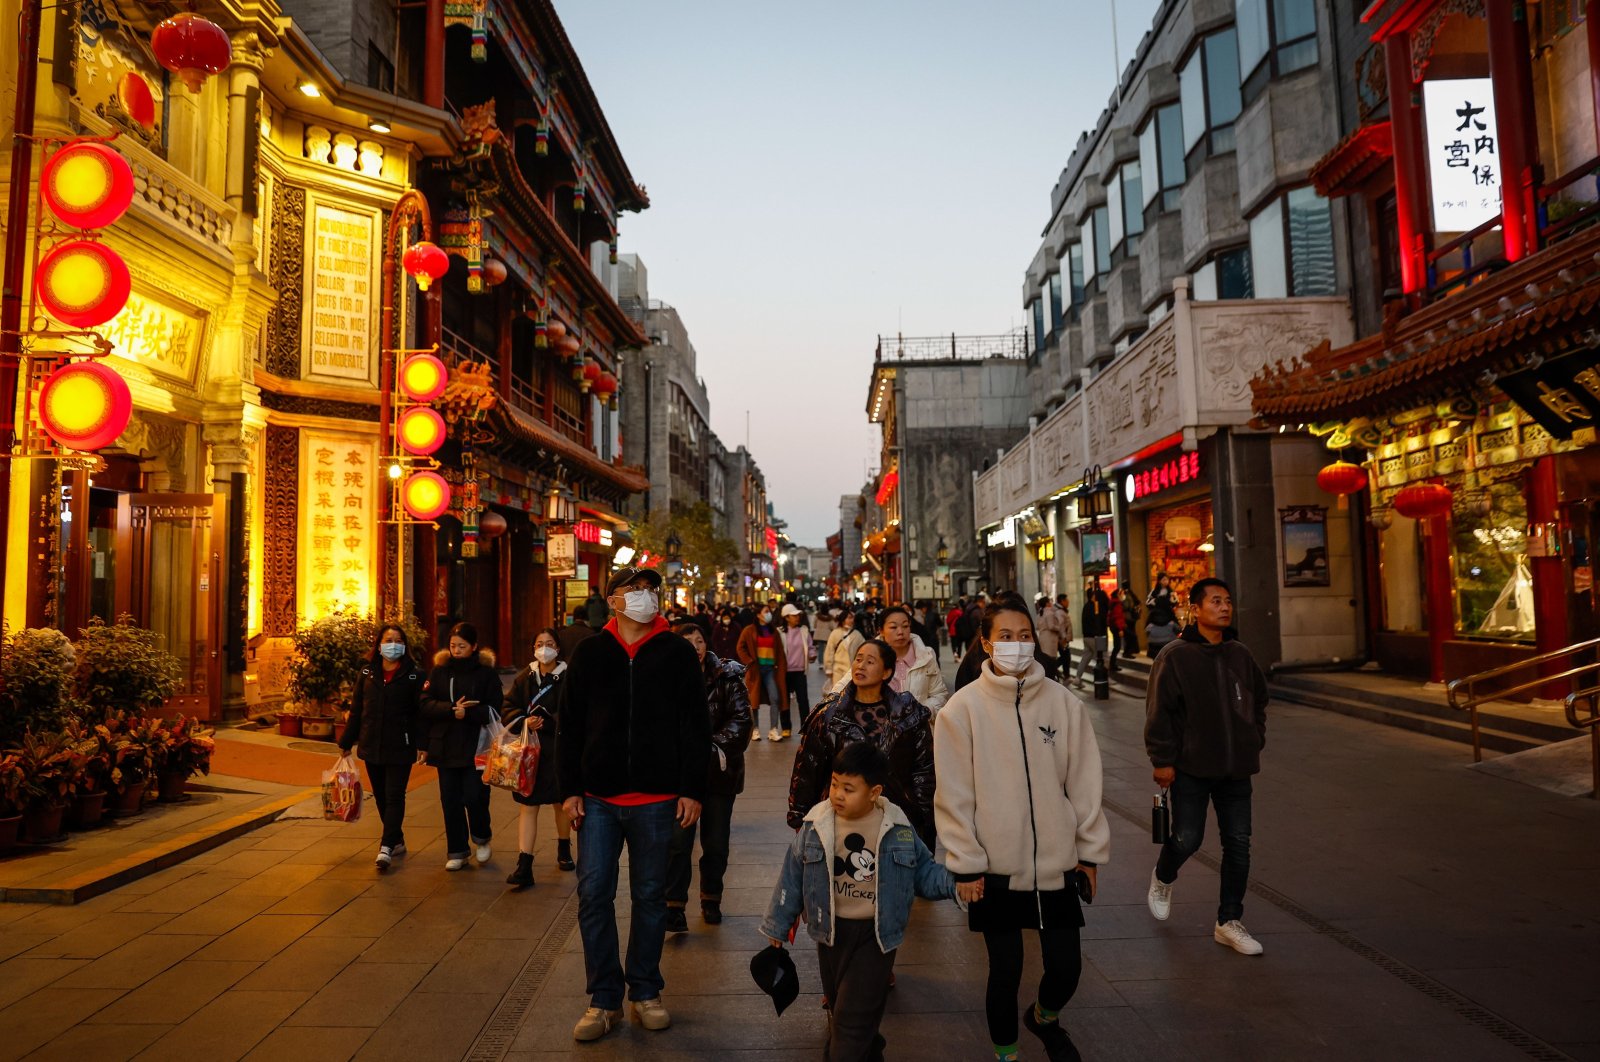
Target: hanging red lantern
[[425, 262], [491, 524], [87, 185], [138, 103], [192, 47], [568, 346], [1421, 501], [606, 385], [84, 405], [423, 377], [421, 430], [1342, 478], [83, 283], [425, 496], [591, 375], [494, 272], [554, 330]]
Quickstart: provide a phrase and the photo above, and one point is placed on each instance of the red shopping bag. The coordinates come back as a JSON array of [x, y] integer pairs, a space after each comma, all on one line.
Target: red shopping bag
[[341, 791]]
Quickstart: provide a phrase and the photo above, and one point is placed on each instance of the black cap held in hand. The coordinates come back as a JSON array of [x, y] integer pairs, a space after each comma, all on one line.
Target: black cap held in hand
[[775, 975]]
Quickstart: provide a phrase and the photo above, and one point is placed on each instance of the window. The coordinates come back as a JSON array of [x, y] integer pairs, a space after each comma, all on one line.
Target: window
[[1161, 157], [380, 71], [1075, 272], [1038, 326], [1276, 37], [1226, 276], [1291, 247], [1208, 87], [1055, 302], [1114, 211], [1101, 220], [1087, 256], [1132, 198]]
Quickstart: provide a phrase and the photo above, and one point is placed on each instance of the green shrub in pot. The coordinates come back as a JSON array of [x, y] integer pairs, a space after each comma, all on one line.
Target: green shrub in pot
[[123, 666], [36, 667]]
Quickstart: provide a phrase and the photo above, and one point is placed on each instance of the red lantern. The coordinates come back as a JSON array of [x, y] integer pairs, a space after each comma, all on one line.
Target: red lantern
[[606, 385], [591, 375], [491, 524], [1342, 478], [1421, 501], [494, 272], [425, 496], [422, 431], [133, 93], [84, 405], [568, 346], [87, 185], [83, 283], [423, 377], [426, 262], [554, 331], [192, 47]]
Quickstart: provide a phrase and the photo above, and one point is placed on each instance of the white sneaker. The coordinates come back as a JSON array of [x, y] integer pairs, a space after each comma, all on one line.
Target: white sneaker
[[482, 853], [652, 1014], [1237, 937], [595, 1023], [774, 734], [398, 850], [384, 858], [755, 733], [1160, 897], [454, 863]]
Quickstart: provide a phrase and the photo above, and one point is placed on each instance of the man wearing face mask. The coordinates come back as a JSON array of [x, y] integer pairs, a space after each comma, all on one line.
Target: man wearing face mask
[[635, 746]]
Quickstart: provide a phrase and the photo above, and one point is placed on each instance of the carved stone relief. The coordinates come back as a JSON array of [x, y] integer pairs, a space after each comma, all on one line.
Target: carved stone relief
[[280, 532], [1236, 347], [287, 274]]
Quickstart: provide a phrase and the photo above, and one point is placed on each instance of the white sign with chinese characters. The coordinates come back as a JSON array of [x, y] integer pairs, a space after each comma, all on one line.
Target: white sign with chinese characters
[[561, 556], [338, 520], [1463, 152], [342, 260]]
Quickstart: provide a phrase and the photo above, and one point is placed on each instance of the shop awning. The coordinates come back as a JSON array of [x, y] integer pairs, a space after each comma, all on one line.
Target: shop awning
[[604, 512]]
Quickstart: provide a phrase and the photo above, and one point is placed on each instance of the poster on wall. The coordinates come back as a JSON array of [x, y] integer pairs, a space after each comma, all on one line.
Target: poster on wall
[[1305, 546], [561, 556], [1096, 552], [338, 512]]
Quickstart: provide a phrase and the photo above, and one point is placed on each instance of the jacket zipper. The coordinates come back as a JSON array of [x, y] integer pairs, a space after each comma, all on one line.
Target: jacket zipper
[[1033, 826], [630, 720], [1227, 712]]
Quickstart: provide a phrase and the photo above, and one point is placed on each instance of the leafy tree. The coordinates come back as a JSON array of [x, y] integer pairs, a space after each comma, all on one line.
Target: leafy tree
[[704, 551]]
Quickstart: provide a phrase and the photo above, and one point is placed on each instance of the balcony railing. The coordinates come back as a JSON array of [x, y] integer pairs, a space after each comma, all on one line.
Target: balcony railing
[[952, 347]]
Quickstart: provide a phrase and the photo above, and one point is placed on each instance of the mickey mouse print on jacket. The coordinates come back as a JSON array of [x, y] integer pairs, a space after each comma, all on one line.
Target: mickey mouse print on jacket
[[855, 865]]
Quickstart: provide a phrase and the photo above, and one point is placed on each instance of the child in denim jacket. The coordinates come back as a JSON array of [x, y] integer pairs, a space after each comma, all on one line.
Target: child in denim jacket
[[854, 867]]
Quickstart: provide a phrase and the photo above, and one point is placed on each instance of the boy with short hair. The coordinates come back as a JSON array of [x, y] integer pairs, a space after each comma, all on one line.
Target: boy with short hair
[[843, 871]]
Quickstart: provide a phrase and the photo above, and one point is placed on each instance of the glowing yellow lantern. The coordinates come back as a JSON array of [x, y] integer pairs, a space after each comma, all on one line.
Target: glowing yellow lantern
[[425, 496], [83, 283], [423, 377], [422, 431], [84, 405], [87, 185]]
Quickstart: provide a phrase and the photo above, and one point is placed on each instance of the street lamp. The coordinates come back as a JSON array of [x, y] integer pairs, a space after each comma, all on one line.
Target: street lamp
[[674, 546], [560, 506], [1093, 495]]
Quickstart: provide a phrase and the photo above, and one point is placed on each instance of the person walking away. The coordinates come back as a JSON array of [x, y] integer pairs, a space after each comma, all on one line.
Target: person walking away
[[1130, 621], [635, 746], [916, 671], [1205, 727], [386, 727], [840, 653], [799, 652], [462, 694], [952, 623], [535, 696], [1162, 627], [729, 708], [1116, 620], [1064, 653], [1050, 631], [596, 610], [932, 624], [853, 868], [868, 709], [576, 630], [1096, 618], [1018, 809], [725, 634], [767, 682], [827, 620]]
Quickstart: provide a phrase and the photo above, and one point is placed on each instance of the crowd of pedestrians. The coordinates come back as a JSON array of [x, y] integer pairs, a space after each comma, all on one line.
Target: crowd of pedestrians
[[988, 794]]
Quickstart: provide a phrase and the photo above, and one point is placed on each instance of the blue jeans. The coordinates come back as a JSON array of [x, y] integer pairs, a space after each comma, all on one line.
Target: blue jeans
[[647, 830], [1231, 797], [769, 697]]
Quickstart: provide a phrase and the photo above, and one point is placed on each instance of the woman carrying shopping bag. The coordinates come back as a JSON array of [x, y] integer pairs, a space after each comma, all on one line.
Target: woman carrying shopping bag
[[535, 698], [462, 695], [385, 726]]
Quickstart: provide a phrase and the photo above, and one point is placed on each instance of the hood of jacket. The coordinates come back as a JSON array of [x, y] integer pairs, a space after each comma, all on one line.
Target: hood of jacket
[[823, 812], [714, 667], [485, 657]]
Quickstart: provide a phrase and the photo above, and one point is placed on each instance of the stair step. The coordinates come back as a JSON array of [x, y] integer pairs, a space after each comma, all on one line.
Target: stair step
[[1457, 729]]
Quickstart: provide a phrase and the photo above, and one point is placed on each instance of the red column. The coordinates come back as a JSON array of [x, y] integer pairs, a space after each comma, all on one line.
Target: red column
[[1408, 179], [1440, 584], [1550, 590], [433, 55], [1513, 103]]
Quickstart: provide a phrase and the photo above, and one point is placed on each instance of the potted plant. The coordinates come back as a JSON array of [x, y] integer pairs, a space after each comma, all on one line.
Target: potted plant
[[188, 750], [10, 800], [289, 715], [122, 666], [90, 788], [133, 740], [36, 666], [329, 654], [51, 763]]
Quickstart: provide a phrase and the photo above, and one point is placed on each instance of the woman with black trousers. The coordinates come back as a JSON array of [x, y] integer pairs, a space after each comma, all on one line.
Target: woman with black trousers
[[463, 693], [536, 696], [385, 725]]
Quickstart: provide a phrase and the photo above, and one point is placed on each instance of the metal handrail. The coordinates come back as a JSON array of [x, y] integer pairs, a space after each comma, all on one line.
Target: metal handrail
[[1464, 695], [1591, 723]]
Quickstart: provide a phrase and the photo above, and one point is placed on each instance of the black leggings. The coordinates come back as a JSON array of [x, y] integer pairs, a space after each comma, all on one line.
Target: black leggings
[[1063, 964]]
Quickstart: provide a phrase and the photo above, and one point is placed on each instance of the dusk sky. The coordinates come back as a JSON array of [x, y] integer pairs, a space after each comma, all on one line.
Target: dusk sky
[[822, 173]]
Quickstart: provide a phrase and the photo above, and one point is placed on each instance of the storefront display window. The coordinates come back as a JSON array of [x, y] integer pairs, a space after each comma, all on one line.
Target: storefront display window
[[1177, 539], [1494, 590]]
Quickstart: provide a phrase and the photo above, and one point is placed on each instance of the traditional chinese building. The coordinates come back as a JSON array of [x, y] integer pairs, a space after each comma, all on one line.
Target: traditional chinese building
[[1469, 164]]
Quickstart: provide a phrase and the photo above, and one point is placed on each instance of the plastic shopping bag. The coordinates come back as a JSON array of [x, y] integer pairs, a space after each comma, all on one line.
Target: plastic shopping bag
[[491, 735], [341, 791], [513, 762]]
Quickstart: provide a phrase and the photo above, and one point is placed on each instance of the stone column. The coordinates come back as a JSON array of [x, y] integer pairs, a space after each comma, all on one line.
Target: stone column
[[232, 451]]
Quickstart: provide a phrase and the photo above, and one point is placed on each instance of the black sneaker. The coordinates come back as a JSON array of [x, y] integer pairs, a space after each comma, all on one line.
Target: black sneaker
[[711, 911], [677, 921], [1058, 1046]]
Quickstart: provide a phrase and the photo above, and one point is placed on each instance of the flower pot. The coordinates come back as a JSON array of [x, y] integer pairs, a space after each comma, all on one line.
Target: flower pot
[[288, 725], [130, 801], [9, 829], [173, 785], [317, 726], [87, 810], [338, 731], [42, 825]]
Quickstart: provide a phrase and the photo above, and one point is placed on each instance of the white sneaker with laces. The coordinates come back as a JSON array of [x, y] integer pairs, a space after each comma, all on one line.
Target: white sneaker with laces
[[398, 850], [454, 863], [652, 1014], [595, 1023], [385, 855], [774, 734], [1160, 897], [1237, 937], [755, 733], [482, 853]]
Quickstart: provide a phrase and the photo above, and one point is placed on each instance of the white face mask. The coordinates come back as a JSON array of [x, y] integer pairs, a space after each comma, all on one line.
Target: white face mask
[[545, 654], [766, 617], [1012, 658], [641, 606]]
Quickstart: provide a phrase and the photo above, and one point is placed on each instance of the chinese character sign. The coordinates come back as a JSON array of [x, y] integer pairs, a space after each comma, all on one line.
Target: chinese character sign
[[1463, 152], [1176, 472], [338, 522], [562, 556]]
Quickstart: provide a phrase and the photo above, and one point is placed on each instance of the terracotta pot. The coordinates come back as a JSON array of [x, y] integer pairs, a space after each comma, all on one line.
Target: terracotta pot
[[173, 785], [130, 801], [317, 726], [9, 829], [43, 825], [87, 810], [288, 725]]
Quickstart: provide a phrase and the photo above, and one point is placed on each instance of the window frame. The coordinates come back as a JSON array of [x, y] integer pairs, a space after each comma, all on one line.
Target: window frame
[[1272, 65], [1170, 195], [1216, 137], [1280, 202], [1058, 316]]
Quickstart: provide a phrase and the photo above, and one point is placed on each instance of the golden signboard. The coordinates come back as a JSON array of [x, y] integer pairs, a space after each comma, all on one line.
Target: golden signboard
[[338, 492], [341, 280], [158, 335]]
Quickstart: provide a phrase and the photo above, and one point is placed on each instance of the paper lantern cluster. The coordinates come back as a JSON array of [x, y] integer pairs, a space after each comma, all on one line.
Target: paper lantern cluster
[[421, 431]]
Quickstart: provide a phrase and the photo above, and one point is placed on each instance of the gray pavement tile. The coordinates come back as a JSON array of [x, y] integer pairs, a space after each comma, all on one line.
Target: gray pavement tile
[[520, 914], [702, 1026], [290, 838], [413, 941], [322, 897], [363, 994], [216, 917], [484, 965], [22, 975], [303, 1044], [173, 995], [45, 1014], [260, 938], [308, 963], [331, 850], [227, 1028], [248, 863], [16, 940], [182, 895], [1569, 1014], [135, 962], [368, 916], [431, 1025], [98, 936], [101, 1043]]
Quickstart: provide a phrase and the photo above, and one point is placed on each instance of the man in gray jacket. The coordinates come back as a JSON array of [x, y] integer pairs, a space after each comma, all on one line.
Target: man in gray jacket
[[1205, 726]]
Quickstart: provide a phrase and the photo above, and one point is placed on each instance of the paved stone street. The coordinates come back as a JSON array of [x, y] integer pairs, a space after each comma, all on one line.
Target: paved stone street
[[1394, 928]]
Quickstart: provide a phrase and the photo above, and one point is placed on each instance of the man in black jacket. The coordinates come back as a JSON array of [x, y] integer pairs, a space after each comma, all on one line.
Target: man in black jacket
[[574, 632], [1205, 726], [634, 747]]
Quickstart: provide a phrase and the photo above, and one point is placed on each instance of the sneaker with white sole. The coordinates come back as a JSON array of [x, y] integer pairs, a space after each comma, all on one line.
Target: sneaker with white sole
[[652, 1014], [385, 857], [1160, 897], [1237, 937], [755, 734], [482, 853], [774, 734], [595, 1023], [455, 863], [398, 850]]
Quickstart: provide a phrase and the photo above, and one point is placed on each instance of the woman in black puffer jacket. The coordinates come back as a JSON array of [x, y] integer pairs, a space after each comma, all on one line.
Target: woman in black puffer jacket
[[463, 693], [385, 725], [535, 695]]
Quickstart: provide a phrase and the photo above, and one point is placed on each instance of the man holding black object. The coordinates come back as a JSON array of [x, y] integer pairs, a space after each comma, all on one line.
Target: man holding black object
[[635, 748], [1205, 727]]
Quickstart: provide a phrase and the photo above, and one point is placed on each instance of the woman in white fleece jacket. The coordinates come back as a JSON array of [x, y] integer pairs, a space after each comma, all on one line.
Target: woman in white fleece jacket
[[1017, 807]]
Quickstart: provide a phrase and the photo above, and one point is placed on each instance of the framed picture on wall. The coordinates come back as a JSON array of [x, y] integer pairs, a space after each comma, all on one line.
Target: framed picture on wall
[[1305, 546], [1096, 552]]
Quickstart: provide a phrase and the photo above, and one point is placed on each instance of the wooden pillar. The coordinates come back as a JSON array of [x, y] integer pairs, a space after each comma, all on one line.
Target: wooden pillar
[[1406, 125], [503, 345], [502, 620], [1440, 583], [433, 55], [1512, 74], [1550, 586]]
